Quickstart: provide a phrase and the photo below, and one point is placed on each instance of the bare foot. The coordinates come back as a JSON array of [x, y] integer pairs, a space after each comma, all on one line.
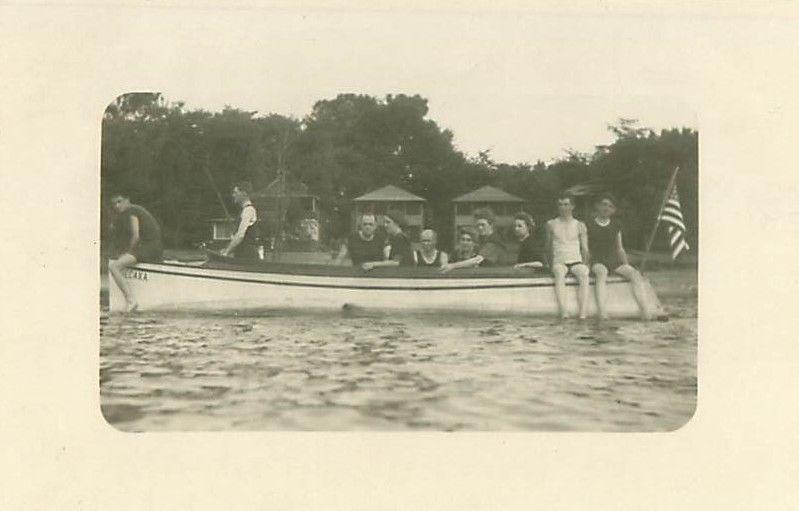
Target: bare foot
[[132, 306], [564, 316], [604, 317]]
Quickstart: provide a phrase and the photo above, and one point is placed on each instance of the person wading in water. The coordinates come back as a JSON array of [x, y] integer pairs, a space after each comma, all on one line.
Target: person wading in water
[[138, 239], [243, 244]]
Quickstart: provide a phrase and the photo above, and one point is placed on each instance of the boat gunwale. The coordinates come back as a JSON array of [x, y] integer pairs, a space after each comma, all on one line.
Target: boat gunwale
[[323, 281]]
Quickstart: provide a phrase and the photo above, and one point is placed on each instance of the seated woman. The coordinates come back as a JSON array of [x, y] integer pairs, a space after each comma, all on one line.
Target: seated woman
[[429, 255], [530, 254], [465, 248], [491, 251]]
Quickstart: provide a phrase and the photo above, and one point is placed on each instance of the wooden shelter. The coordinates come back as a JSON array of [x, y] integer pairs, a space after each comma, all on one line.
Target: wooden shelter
[[391, 197], [503, 204]]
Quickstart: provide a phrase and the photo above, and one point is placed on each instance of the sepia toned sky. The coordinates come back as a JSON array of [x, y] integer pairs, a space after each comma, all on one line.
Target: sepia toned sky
[[526, 87]]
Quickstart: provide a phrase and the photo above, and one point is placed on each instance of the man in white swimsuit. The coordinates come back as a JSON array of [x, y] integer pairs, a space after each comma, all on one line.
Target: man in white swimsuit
[[567, 250]]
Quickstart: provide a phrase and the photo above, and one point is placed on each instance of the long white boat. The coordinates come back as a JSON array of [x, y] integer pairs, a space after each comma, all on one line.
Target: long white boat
[[215, 285]]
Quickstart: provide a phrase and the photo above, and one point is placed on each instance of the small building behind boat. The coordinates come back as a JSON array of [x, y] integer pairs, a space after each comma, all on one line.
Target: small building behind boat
[[504, 205], [391, 197]]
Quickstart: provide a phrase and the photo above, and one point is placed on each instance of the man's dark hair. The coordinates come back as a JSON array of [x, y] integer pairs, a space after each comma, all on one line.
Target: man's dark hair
[[526, 218], [485, 214], [398, 217], [121, 195], [244, 186], [606, 196], [469, 231], [564, 196]]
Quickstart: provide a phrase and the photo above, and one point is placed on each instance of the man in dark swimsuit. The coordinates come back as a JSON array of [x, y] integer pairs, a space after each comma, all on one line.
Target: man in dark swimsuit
[[608, 255], [399, 253], [364, 245], [138, 236]]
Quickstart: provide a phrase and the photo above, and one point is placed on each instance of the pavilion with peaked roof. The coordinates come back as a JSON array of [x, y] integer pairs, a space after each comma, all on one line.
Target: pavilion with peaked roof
[[503, 204], [388, 198]]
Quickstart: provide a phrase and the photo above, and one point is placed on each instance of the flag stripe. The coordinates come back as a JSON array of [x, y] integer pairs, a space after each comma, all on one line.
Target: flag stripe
[[672, 217]]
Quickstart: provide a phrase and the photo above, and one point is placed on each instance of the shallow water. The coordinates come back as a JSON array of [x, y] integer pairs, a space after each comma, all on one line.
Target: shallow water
[[355, 371]]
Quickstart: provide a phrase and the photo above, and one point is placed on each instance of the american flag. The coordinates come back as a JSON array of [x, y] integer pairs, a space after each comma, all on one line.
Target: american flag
[[672, 217]]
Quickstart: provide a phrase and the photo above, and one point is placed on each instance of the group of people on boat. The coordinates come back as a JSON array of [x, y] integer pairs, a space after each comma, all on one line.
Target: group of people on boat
[[571, 246]]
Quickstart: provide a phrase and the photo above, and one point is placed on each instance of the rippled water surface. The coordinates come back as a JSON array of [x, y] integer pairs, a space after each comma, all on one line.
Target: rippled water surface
[[272, 370]]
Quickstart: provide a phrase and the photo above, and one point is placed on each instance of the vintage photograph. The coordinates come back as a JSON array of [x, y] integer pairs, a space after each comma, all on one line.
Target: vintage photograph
[[365, 265]]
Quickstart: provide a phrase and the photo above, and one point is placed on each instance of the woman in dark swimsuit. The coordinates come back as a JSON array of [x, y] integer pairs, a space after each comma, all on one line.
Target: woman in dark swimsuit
[[530, 255], [429, 255]]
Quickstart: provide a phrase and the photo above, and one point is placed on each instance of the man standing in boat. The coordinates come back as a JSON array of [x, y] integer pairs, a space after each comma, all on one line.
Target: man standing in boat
[[137, 237], [364, 245], [243, 244], [491, 251], [567, 250]]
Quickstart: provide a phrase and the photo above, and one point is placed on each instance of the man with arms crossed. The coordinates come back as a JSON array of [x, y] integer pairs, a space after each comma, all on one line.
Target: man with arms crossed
[[567, 249], [364, 245]]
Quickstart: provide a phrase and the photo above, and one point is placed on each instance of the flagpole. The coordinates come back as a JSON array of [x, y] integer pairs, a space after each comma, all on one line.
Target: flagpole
[[657, 221]]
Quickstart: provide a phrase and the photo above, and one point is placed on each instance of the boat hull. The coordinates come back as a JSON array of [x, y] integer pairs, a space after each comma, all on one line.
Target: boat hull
[[188, 287]]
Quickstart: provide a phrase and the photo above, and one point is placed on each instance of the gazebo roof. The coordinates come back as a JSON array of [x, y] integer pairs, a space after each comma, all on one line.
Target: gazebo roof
[[389, 193], [488, 194], [274, 189]]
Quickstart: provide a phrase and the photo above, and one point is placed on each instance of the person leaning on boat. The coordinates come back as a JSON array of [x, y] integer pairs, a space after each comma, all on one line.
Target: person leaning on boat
[[608, 256], [530, 255], [137, 237], [243, 244], [491, 252], [429, 255], [567, 250], [364, 245], [465, 247], [398, 251]]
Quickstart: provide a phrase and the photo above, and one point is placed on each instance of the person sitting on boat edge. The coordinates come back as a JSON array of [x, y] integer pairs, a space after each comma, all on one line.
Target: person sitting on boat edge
[[364, 245], [567, 250], [530, 255], [429, 254], [138, 233], [243, 244], [491, 252], [399, 247], [608, 255], [465, 247]]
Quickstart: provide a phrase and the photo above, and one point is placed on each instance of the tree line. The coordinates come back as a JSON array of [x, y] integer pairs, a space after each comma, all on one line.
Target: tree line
[[173, 160]]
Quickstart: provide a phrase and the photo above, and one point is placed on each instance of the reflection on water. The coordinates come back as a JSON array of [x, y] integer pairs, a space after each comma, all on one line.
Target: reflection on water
[[355, 371]]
